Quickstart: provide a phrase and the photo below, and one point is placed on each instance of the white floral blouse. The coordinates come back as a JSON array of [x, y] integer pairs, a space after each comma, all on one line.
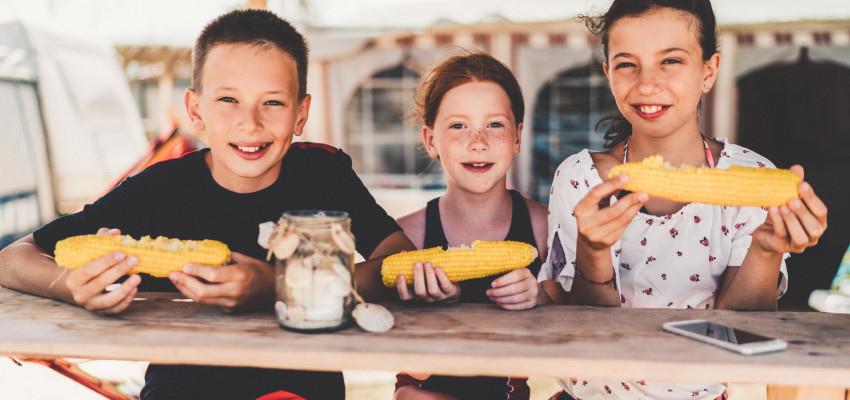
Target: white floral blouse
[[673, 261]]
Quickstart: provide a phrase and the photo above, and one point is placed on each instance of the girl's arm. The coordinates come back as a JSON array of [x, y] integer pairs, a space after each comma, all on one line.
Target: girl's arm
[[789, 228], [600, 225]]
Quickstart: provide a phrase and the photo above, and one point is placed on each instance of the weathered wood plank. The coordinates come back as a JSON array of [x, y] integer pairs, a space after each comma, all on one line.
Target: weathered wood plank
[[459, 339]]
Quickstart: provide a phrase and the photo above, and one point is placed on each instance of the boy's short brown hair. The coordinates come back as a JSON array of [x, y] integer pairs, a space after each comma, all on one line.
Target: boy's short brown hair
[[254, 27]]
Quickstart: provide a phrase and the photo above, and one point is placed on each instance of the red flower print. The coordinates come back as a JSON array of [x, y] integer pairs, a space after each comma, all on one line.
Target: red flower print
[[761, 164], [558, 173], [725, 230], [711, 258], [664, 277], [625, 386], [593, 167], [573, 381], [641, 382], [690, 307], [679, 253], [704, 241], [643, 242], [617, 252], [695, 278], [622, 300], [574, 183], [607, 389], [649, 222], [722, 153], [625, 266], [650, 259], [674, 232], [746, 151], [586, 183], [696, 219], [648, 292], [552, 191], [739, 225]]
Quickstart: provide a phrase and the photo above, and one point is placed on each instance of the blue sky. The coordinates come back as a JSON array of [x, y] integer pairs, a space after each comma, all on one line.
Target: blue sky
[[176, 22]]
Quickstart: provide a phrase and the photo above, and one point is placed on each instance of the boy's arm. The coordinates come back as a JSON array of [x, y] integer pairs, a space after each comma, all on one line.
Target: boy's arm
[[24, 266], [367, 274]]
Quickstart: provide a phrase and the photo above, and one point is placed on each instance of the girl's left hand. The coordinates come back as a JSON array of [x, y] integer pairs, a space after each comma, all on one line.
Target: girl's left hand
[[795, 226], [430, 284], [516, 290]]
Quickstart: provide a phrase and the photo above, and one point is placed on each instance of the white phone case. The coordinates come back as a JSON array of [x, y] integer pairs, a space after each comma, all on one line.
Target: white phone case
[[728, 333]]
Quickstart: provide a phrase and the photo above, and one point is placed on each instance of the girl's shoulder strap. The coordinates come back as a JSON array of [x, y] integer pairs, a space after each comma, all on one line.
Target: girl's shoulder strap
[[434, 235]]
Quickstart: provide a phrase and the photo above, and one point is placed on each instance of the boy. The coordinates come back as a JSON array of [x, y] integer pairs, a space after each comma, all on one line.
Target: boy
[[249, 96]]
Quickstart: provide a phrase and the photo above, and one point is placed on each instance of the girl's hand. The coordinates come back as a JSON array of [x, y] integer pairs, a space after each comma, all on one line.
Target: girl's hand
[[88, 283], [601, 224], [245, 284], [795, 226], [430, 284], [516, 290]]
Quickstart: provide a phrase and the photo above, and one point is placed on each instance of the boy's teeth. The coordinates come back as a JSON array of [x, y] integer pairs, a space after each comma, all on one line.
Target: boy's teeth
[[650, 109], [479, 164], [249, 149]]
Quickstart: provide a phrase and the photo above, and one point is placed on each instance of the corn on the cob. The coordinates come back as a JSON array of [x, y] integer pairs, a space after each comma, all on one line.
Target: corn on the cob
[[482, 259], [736, 186], [157, 257]]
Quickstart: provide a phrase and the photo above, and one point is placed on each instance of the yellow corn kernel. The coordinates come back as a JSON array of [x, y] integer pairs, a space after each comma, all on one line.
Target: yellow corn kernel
[[462, 263], [736, 186], [157, 257]]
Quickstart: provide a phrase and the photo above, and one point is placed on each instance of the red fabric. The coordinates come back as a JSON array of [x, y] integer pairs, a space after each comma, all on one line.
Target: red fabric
[[307, 145], [403, 379], [280, 395]]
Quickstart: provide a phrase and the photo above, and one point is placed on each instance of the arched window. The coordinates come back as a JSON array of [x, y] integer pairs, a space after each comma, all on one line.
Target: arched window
[[566, 111], [383, 143]]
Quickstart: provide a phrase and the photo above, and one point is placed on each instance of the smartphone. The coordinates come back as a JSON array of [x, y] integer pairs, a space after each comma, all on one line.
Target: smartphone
[[737, 340]]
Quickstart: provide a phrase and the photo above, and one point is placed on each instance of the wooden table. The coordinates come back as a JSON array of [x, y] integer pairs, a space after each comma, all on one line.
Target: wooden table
[[458, 339]]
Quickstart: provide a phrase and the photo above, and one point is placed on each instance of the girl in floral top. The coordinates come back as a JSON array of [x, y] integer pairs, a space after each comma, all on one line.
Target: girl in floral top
[[611, 247]]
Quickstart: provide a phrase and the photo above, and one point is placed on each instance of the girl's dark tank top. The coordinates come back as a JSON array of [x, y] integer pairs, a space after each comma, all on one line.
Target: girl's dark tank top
[[472, 291]]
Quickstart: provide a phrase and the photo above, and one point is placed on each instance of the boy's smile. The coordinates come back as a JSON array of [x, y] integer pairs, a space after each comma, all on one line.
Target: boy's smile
[[249, 109]]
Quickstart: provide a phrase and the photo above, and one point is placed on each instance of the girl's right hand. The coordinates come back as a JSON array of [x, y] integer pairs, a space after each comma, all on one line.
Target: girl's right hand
[[599, 223], [430, 284], [88, 283]]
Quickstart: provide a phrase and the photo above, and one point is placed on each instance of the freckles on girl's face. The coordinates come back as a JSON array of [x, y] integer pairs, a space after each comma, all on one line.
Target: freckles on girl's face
[[475, 135]]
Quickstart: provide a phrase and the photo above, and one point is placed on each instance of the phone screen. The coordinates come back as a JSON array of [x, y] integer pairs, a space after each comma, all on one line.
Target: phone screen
[[723, 332]]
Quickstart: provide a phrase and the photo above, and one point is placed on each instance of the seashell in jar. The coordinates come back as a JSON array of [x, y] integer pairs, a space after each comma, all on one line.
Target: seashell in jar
[[373, 317], [295, 314], [342, 271], [298, 275], [328, 283], [284, 245], [343, 239]]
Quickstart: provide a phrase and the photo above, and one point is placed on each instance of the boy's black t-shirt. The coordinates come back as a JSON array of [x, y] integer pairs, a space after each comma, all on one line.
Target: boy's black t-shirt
[[180, 199]]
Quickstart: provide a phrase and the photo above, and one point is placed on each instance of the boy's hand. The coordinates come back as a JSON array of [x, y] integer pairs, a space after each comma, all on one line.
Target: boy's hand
[[430, 284], [88, 283], [516, 290], [245, 284], [795, 226]]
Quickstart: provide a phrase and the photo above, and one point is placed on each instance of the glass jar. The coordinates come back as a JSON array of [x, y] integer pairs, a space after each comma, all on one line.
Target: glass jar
[[314, 284]]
